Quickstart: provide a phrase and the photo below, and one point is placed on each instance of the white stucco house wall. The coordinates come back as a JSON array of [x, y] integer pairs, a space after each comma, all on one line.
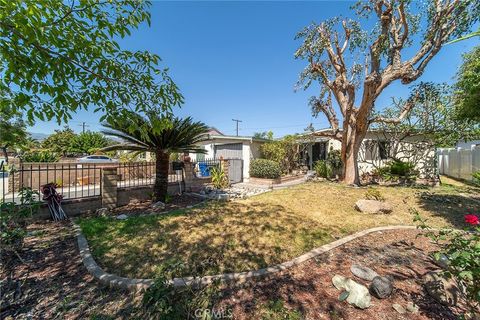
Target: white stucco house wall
[[377, 149], [244, 148]]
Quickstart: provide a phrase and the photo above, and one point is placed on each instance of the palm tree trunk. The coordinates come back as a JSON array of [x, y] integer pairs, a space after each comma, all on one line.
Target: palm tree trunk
[[160, 187], [5, 153]]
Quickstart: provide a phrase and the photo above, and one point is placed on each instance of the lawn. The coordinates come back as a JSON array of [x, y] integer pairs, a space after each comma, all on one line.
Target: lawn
[[261, 231]]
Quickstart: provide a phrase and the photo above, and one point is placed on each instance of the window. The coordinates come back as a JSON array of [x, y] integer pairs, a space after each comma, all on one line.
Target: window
[[370, 149], [383, 149]]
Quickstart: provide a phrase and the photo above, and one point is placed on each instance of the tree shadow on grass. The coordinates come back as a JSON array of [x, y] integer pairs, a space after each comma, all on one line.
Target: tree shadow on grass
[[223, 238], [451, 207]]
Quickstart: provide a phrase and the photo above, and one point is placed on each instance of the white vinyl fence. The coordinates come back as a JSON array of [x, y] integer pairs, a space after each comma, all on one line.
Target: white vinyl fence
[[458, 162]]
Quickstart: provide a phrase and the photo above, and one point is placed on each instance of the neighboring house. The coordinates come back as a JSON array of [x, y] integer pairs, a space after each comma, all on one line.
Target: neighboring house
[[241, 148], [377, 149], [468, 144]]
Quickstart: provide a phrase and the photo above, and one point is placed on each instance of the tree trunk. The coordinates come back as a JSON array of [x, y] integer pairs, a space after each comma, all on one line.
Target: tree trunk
[[160, 187], [353, 136]]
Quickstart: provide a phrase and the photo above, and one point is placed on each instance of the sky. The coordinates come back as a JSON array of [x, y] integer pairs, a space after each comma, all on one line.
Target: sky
[[235, 60]]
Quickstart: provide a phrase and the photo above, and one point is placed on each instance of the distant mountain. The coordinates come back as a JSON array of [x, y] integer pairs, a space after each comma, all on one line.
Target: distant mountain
[[39, 136]]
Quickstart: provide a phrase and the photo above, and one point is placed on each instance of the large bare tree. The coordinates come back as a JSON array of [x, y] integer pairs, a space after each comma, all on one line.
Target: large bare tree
[[355, 66]]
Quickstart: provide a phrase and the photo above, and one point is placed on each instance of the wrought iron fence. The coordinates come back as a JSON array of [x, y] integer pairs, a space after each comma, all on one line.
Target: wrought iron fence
[[78, 180], [138, 174], [73, 180], [203, 168]]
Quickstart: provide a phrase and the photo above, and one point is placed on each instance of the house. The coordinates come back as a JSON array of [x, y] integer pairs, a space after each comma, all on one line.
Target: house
[[468, 144], [378, 147], [239, 149]]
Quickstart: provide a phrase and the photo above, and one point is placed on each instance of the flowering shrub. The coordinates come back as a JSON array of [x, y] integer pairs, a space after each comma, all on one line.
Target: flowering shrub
[[462, 249]]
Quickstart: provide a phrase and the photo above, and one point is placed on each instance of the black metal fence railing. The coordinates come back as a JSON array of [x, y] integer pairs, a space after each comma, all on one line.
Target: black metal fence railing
[[78, 180], [203, 168], [73, 180], [139, 174]]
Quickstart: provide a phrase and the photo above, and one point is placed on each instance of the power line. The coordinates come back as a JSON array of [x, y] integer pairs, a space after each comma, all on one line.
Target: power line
[[237, 124], [83, 125]]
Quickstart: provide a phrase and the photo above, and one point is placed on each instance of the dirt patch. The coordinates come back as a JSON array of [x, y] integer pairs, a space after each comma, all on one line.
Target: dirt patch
[[53, 283], [308, 290]]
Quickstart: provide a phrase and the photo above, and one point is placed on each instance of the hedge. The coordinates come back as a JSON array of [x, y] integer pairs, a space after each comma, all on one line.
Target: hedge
[[263, 168]]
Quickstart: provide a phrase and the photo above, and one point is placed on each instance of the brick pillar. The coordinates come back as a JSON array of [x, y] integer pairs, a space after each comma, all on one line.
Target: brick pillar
[[109, 187], [14, 176], [189, 175], [224, 166]]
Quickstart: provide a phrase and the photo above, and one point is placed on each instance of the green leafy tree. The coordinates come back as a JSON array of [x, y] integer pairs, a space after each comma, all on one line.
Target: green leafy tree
[[354, 65], [183, 135], [88, 142], [57, 57], [267, 135], [433, 117], [13, 132], [60, 142], [285, 152], [468, 86]]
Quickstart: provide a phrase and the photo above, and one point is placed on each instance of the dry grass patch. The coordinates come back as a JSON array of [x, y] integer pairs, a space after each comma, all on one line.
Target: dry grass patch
[[261, 231]]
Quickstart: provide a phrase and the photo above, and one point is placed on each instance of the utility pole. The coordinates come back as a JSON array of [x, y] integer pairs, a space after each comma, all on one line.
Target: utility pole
[[237, 121], [83, 125]]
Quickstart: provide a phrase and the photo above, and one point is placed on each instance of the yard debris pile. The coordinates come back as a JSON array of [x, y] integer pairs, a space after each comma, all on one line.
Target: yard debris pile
[[53, 200], [237, 191]]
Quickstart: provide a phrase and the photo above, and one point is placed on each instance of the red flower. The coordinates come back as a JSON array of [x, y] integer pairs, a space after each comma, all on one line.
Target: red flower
[[472, 219]]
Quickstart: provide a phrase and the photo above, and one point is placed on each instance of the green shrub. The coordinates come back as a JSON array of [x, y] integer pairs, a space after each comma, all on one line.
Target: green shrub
[[334, 158], [374, 194], [219, 178], [323, 169], [40, 156], [395, 170], [164, 301], [285, 152], [476, 178], [263, 168]]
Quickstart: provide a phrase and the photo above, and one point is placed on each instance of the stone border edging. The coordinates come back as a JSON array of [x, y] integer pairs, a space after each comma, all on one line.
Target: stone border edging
[[239, 277]]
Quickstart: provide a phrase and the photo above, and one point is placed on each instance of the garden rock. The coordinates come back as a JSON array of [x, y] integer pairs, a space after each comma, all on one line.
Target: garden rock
[[101, 212], [363, 272], [158, 205], [358, 294], [381, 287], [442, 261], [399, 308], [373, 206], [441, 289], [412, 307], [122, 216]]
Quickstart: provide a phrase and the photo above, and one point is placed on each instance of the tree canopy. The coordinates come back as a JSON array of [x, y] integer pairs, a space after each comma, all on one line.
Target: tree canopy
[[13, 130], [433, 115], [468, 86], [57, 57], [88, 142], [353, 64], [60, 141], [184, 135]]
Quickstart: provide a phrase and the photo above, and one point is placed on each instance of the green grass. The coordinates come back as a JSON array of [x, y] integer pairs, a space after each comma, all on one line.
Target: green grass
[[261, 231]]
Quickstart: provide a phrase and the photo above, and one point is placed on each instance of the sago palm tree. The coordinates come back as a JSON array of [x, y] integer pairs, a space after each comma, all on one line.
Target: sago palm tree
[[159, 135]]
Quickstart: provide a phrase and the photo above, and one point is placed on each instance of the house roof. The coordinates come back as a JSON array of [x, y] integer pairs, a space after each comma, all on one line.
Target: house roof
[[215, 131], [214, 137]]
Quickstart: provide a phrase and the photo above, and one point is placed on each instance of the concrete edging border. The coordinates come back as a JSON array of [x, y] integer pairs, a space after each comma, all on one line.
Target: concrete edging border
[[239, 277]]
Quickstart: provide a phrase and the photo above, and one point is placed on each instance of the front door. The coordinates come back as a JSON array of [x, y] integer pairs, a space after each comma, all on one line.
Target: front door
[[319, 151]]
